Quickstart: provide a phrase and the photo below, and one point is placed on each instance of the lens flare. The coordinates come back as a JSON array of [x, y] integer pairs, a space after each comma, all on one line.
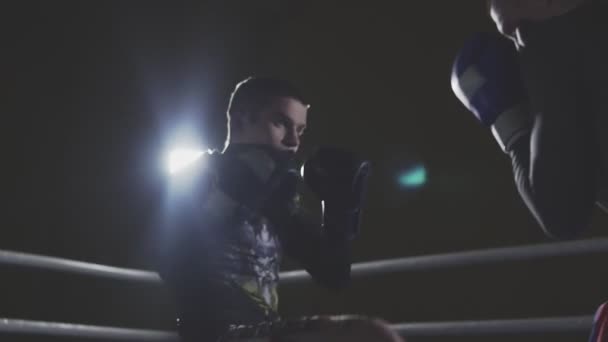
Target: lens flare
[[413, 178]]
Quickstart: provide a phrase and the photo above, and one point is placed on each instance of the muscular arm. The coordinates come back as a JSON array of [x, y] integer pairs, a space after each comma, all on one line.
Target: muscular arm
[[556, 166], [555, 175]]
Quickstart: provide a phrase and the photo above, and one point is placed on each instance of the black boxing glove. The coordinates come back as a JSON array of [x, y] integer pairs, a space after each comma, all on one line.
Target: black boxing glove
[[339, 178], [260, 179]]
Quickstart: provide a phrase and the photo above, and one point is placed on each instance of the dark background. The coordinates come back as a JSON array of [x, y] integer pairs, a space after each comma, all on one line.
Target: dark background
[[93, 92]]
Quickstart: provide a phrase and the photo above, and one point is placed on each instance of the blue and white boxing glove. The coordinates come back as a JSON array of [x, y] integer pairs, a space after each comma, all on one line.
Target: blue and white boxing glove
[[486, 79]]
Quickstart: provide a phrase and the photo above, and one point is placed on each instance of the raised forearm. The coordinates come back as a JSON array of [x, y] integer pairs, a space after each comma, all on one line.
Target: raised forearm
[[554, 190], [326, 258]]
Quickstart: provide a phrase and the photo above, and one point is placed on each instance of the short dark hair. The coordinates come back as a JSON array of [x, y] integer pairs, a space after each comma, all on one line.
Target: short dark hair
[[252, 94]]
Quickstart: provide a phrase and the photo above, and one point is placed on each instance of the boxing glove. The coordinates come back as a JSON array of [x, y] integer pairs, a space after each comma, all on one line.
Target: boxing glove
[[262, 180], [339, 179], [486, 79]]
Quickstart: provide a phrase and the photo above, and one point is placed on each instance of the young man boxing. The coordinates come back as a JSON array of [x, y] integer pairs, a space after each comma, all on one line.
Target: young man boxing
[[241, 214]]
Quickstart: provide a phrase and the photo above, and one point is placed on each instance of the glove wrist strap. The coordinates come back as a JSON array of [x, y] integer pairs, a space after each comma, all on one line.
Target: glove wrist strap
[[510, 126]]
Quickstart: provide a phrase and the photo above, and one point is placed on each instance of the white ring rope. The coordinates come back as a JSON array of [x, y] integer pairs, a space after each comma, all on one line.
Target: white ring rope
[[489, 327], [468, 258], [74, 266], [20, 326], [499, 327], [425, 262], [406, 264]]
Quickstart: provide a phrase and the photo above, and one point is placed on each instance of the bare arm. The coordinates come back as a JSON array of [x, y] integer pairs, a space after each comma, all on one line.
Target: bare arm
[[556, 166]]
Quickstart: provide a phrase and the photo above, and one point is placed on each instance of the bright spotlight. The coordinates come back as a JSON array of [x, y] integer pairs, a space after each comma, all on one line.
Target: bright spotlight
[[181, 158]]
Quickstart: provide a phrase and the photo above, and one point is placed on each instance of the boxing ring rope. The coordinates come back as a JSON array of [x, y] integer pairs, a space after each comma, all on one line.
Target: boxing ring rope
[[19, 326], [79, 267], [467, 258], [427, 329], [406, 264]]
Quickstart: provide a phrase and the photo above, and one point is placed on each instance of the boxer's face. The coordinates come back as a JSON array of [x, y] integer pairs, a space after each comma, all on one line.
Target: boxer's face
[[279, 125]]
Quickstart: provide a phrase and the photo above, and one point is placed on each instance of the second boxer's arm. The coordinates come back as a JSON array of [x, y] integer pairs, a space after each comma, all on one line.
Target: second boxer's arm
[[563, 159], [555, 177]]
